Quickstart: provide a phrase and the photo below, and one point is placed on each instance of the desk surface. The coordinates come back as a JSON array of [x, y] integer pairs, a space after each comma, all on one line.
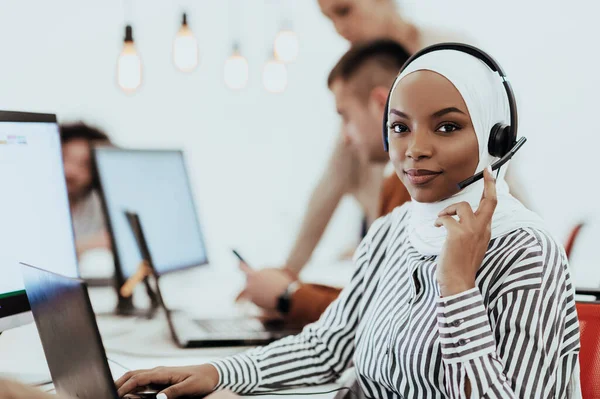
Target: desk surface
[[136, 343]]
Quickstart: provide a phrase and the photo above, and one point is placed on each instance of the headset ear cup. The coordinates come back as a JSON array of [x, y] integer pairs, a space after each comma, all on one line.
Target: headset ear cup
[[501, 140]]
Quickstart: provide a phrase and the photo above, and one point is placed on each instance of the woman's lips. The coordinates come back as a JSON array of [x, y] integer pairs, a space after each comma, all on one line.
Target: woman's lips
[[420, 177]]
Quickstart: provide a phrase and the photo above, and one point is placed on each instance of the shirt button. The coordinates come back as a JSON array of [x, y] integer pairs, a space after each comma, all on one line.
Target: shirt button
[[457, 323], [462, 342]]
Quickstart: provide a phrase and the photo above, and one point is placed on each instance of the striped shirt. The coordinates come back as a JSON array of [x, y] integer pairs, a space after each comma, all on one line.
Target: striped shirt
[[515, 335]]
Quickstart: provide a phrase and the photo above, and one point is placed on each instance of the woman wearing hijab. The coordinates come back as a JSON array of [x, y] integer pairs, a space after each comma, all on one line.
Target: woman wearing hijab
[[455, 294]]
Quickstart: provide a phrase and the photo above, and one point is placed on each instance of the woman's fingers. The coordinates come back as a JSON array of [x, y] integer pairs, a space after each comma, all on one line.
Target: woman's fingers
[[127, 376], [447, 221], [247, 270], [486, 208], [242, 296], [184, 388], [489, 198], [145, 378], [462, 209]]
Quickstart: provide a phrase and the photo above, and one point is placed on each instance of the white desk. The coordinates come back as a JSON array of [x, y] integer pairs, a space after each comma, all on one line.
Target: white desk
[[138, 343]]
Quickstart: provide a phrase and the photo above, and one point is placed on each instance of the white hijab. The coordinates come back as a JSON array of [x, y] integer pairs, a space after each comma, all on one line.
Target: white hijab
[[486, 100]]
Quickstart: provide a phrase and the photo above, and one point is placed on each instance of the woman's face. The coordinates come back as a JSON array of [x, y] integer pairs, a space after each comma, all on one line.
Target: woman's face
[[433, 144]]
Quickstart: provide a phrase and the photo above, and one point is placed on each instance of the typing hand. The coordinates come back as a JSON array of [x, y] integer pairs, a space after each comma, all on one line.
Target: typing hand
[[179, 381], [265, 286], [467, 240]]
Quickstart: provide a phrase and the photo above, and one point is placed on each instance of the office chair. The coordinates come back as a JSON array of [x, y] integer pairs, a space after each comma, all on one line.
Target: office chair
[[589, 357]]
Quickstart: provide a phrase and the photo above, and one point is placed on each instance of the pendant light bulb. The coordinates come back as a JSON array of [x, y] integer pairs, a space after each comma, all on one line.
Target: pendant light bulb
[[286, 46], [185, 48], [129, 64], [275, 76], [235, 72]]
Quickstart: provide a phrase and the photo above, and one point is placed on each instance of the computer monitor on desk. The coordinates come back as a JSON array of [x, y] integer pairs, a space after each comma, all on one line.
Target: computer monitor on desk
[[35, 225], [155, 185]]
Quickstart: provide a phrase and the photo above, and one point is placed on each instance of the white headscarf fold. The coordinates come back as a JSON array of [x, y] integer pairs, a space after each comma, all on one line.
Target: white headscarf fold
[[486, 100]]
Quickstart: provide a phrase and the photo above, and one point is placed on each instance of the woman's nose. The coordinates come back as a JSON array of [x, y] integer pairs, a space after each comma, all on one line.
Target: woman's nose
[[419, 146]]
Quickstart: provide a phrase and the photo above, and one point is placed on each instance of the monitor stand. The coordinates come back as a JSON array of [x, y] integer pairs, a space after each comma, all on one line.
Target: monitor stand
[[125, 306]]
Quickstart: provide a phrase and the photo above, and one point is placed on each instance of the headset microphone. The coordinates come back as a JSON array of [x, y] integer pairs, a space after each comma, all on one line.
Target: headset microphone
[[496, 165]]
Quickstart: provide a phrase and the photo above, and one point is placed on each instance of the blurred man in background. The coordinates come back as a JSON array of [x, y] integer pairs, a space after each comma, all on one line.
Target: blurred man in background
[[86, 208], [360, 82], [349, 170], [364, 20]]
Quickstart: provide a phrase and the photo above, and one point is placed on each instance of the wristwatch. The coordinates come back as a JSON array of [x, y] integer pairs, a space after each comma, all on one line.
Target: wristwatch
[[284, 302]]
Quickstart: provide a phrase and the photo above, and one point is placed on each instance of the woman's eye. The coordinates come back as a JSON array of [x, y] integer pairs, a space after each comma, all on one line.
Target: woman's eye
[[448, 128], [398, 128]]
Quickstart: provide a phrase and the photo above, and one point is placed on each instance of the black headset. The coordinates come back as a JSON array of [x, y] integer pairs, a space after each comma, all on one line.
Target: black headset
[[503, 138]]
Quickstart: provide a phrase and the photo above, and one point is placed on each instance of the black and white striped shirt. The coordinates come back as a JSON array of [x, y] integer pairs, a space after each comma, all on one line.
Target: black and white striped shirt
[[516, 335]]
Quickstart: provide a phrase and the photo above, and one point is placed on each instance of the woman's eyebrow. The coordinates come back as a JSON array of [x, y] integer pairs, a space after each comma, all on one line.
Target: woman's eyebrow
[[399, 113], [445, 111]]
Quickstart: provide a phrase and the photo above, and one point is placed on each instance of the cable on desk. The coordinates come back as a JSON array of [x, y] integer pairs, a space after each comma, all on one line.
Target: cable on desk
[[117, 363]]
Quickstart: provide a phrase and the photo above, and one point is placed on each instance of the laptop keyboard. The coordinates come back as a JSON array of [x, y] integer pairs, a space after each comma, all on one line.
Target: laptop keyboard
[[229, 326]]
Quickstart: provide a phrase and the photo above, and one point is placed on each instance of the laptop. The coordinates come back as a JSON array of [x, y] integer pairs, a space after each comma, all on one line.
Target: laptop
[[154, 185], [189, 332], [72, 345]]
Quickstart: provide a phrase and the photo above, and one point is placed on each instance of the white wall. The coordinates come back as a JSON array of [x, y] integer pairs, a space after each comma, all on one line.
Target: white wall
[[254, 156], [249, 151]]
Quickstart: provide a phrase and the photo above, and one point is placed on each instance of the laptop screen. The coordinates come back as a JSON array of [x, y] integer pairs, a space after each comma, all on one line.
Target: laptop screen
[[67, 326], [153, 184]]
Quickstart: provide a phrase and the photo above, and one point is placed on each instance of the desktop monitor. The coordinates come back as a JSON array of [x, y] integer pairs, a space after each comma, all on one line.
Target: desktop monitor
[[155, 185], [35, 221]]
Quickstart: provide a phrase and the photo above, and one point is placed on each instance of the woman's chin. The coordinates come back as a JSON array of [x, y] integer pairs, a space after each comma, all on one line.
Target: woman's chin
[[425, 199], [427, 195]]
